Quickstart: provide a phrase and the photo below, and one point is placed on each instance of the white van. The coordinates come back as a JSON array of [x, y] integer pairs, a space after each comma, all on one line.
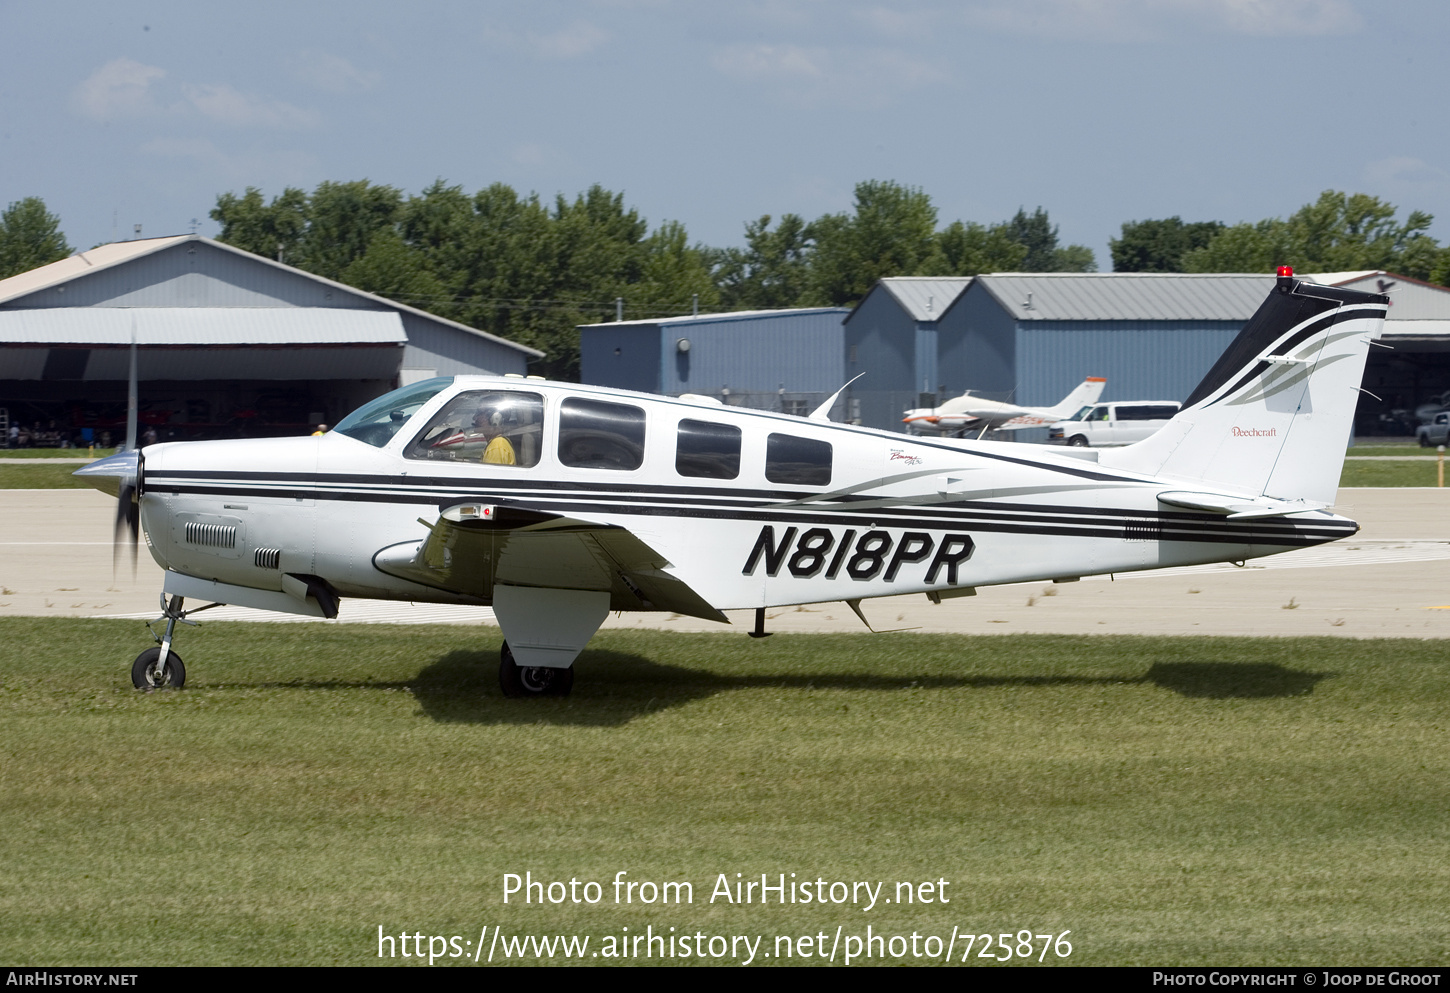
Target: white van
[[1105, 424]]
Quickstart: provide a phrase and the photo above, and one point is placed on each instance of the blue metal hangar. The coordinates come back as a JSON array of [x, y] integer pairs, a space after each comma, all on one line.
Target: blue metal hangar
[[786, 360], [1026, 337], [1032, 337], [228, 342]]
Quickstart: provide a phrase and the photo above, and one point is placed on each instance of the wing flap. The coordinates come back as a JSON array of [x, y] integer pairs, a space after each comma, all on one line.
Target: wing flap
[[470, 557]]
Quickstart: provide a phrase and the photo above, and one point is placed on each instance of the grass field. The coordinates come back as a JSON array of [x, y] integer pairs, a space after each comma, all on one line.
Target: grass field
[[55, 453], [1169, 801]]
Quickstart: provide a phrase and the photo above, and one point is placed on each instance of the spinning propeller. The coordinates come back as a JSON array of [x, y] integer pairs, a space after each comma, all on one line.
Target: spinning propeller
[[120, 475]]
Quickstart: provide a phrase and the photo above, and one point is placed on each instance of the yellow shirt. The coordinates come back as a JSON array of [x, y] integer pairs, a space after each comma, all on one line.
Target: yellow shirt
[[499, 452]]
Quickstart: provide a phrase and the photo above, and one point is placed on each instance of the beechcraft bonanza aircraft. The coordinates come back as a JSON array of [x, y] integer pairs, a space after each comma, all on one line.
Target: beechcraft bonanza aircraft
[[968, 413], [557, 503]]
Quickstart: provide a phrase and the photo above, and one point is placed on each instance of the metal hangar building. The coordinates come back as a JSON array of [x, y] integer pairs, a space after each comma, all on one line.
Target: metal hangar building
[[787, 360], [228, 343]]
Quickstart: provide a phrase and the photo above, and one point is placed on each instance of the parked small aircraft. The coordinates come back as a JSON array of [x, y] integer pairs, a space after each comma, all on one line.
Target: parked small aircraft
[[556, 503], [979, 415]]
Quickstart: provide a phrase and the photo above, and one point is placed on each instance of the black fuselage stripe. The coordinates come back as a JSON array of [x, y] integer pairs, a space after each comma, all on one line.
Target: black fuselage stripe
[[1218, 531], [446, 492]]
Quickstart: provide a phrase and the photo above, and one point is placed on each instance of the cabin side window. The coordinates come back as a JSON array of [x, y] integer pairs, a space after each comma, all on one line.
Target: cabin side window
[[594, 434], [491, 427], [707, 450], [802, 461]]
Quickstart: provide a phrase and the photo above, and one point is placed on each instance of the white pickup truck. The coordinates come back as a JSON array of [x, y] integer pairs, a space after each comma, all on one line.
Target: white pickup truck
[[1435, 433]]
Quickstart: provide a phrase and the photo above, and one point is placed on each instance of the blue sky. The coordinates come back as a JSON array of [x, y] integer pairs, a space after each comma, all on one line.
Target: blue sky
[[713, 114]]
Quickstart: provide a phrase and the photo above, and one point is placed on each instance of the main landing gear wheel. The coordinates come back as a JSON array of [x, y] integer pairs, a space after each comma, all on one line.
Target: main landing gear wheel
[[145, 674], [526, 680]]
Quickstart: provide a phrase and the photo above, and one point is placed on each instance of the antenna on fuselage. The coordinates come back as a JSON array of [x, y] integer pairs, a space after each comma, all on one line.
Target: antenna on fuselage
[[823, 412]]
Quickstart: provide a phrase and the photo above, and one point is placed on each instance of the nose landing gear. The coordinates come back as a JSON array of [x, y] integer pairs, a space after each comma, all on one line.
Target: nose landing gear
[[161, 668]]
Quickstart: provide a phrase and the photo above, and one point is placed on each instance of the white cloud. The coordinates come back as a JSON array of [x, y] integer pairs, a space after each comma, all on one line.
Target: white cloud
[[870, 77], [768, 62], [1285, 18], [227, 105], [1399, 177], [1155, 20], [120, 88], [579, 38], [332, 73]]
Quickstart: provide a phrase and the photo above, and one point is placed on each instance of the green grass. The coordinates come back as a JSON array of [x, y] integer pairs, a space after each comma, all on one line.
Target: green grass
[[1170, 801], [55, 453], [40, 477], [1398, 473]]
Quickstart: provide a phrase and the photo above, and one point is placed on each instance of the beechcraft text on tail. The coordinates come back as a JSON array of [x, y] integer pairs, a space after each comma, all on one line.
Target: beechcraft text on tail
[[555, 503]]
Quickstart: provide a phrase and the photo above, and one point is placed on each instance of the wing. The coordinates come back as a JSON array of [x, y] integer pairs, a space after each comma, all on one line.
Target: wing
[[472, 547]]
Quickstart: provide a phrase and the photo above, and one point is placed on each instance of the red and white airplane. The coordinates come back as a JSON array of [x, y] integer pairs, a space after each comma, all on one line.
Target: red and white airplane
[[977, 414], [556, 503]]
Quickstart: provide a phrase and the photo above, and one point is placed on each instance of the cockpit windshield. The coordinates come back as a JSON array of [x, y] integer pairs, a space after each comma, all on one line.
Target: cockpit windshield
[[375, 423]]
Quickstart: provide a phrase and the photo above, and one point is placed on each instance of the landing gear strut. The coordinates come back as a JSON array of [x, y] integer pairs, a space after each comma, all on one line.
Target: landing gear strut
[[526, 681], [161, 668]]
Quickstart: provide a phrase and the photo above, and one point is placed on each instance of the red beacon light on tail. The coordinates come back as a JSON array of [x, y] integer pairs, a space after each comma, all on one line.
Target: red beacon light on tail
[[1285, 282]]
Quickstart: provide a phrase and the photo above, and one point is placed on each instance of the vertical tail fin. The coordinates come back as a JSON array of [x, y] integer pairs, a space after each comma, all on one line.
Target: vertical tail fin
[[1083, 395], [1273, 415]]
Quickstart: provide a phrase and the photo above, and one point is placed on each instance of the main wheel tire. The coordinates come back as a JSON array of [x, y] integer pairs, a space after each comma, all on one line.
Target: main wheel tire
[[145, 677], [1077, 441], [530, 681]]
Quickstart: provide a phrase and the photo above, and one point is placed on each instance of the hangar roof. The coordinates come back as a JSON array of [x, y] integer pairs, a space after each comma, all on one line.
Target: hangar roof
[[119, 253], [192, 326], [730, 315], [926, 298], [1127, 296]]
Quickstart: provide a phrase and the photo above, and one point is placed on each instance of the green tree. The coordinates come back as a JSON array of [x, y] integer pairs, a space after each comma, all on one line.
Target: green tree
[[1039, 235], [1335, 233], [272, 230], [770, 271], [342, 220], [390, 268], [891, 232], [30, 237], [1159, 245], [971, 249]]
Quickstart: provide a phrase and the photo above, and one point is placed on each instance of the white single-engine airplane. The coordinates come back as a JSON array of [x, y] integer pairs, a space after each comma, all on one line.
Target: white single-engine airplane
[[556, 503], [966, 412]]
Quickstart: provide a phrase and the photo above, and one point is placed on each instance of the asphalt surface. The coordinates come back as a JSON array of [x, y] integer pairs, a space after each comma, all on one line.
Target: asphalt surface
[[1390, 580]]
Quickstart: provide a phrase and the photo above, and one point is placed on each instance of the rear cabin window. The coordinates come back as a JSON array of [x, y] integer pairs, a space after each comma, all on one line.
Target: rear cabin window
[[802, 461], [707, 450], [493, 427], [598, 435]]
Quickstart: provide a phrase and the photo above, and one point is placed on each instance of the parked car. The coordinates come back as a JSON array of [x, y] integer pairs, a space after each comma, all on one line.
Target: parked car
[[1436, 432], [1105, 424]]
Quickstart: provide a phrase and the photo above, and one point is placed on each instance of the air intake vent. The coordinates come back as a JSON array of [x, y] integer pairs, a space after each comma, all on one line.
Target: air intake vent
[[268, 558], [211, 535]]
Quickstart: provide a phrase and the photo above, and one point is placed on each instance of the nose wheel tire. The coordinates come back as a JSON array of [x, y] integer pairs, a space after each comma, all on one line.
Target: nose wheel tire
[[530, 681], [145, 675]]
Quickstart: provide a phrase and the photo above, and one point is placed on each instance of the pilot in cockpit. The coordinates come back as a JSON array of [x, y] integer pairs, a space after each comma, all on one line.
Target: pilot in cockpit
[[488, 424]]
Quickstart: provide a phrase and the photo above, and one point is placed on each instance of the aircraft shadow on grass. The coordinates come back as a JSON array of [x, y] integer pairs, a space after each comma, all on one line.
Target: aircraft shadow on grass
[[614, 688], [1232, 680]]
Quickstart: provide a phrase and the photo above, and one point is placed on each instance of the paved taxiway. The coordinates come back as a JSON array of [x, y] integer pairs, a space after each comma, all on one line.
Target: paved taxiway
[[1390, 580]]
